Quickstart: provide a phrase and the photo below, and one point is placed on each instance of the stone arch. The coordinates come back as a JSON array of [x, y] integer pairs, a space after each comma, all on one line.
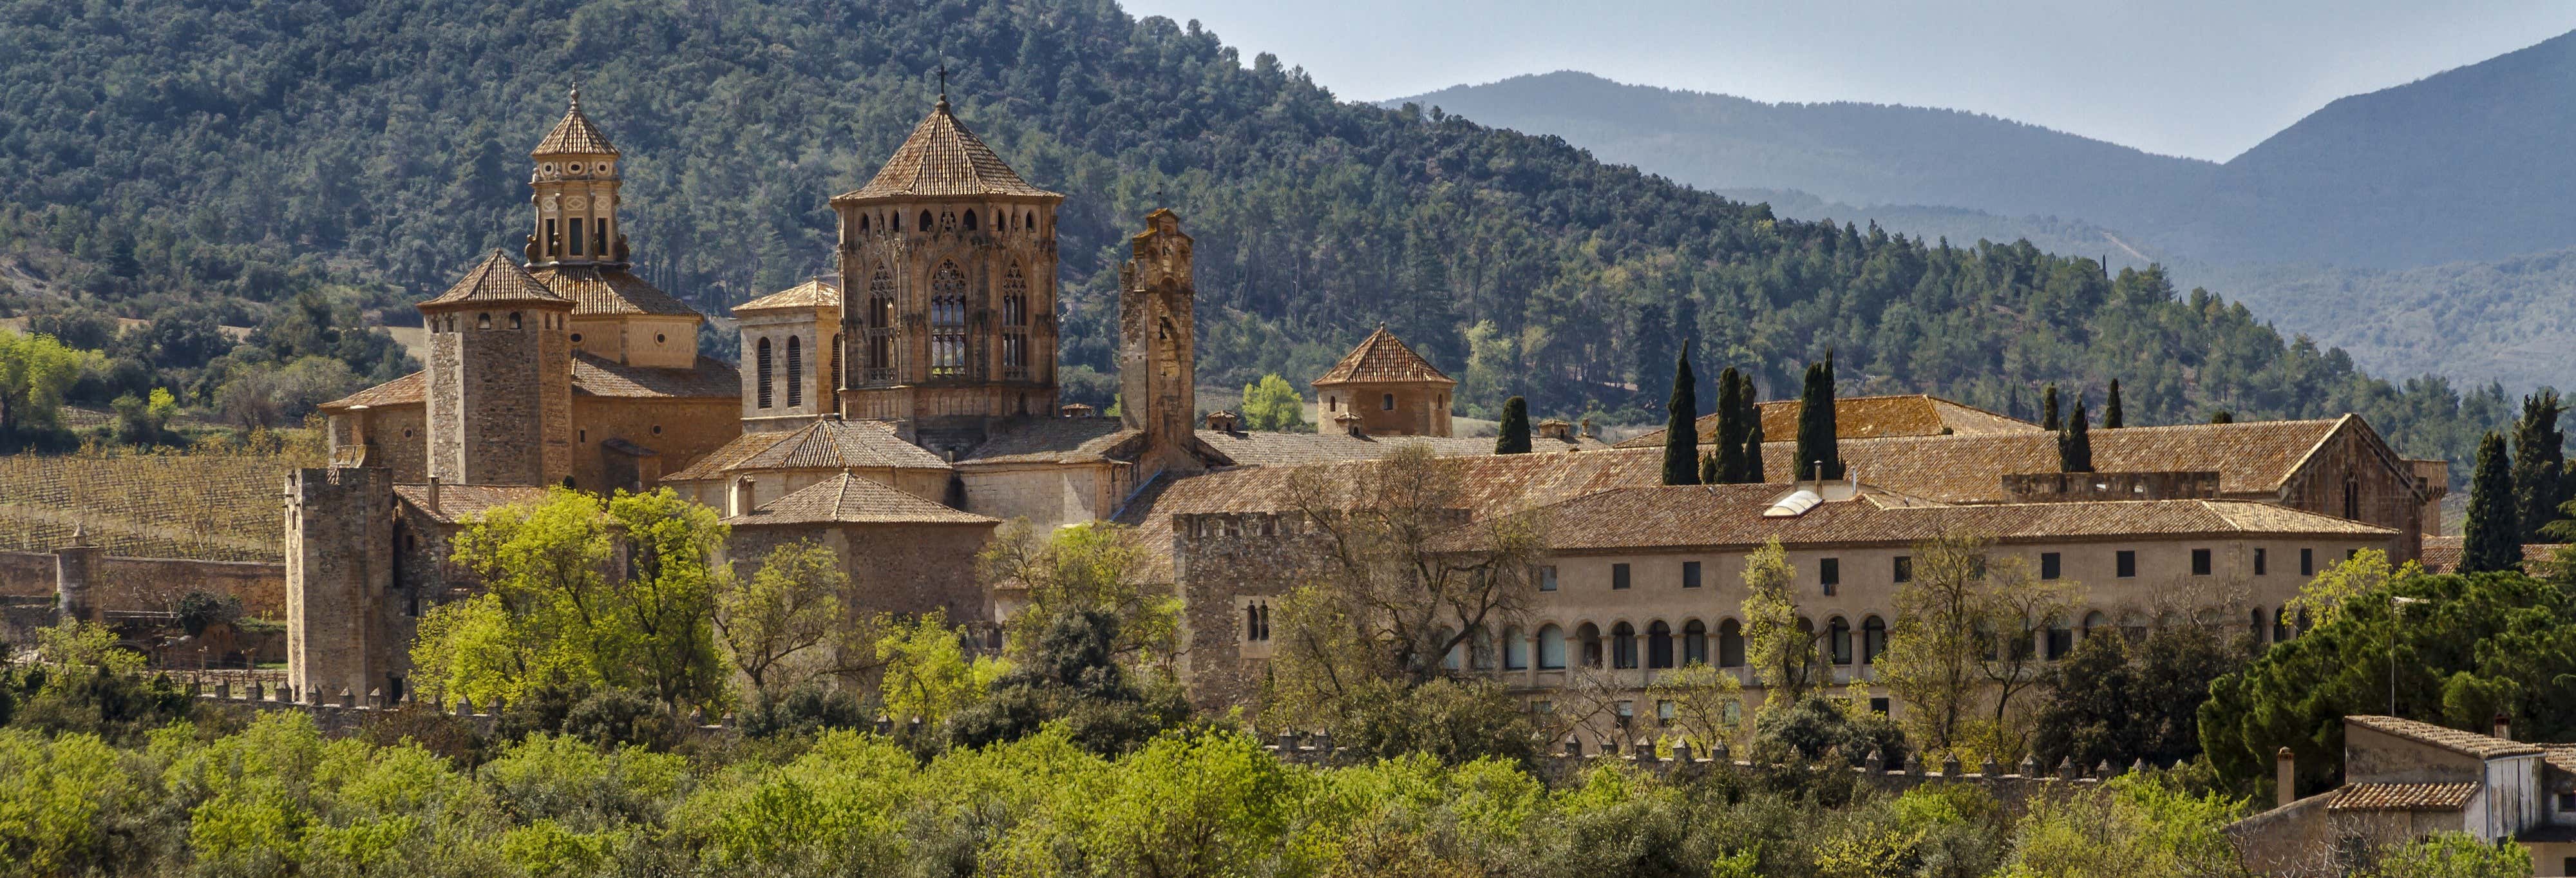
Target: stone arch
[[1659, 644], [795, 371], [1873, 638], [763, 376], [1730, 644], [1551, 647], [1588, 635], [1623, 646], [1694, 642]]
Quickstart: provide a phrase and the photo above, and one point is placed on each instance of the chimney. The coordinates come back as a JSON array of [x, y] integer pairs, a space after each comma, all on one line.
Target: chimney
[[2285, 779], [2503, 726], [433, 496], [1350, 423], [1221, 421], [1588, 431], [741, 496]]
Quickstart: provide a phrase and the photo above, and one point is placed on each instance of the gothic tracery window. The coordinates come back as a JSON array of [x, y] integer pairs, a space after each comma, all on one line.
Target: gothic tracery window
[[1015, 323], [880, 325], [947, 321]]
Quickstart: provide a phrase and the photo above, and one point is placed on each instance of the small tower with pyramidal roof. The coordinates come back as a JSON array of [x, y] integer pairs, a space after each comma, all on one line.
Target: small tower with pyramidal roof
[[1389, 389], [578, 248], [499, 394], [948, 272]]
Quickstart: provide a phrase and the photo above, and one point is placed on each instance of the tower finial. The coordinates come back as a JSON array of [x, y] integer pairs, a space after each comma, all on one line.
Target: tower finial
[[943, 85], [576, 97]]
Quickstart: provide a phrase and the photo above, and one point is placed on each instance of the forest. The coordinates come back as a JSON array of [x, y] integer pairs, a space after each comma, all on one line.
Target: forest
[[240, 158]]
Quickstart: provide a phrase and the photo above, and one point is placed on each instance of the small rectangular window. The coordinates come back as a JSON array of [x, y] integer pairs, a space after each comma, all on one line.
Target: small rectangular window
[[2200, 562], [1878, 706], [1690, 574], [1829, 573], [2050, 565], [2258, 562], [2307, 562], [1542, 707], [1904, 568], [2349, 554], [1618, 576], [2128, 564], [1547, 578], [1664, 712]]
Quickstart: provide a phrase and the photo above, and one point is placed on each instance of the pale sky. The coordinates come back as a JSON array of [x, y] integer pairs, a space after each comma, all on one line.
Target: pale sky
[[2200, 78]]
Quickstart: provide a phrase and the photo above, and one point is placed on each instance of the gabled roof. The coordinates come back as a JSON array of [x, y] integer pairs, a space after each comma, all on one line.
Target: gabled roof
[[727, 456], [1057, 440], [1867, 417], [2447, 738], [1265, 448], [709, 378], [457, 503], [608, 289], [942, 158], [409, 389], [574, 135], [816, 293], [832, 444], [497, 279], [850, 499], [1382, 357]]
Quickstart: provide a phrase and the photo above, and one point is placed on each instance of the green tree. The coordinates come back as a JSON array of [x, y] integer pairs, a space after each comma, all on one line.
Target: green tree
[[2541, 482], [1731, 428], [2130, 825], [1962, 641], [1708, 703], [2491, 535], [2222, 416], [1087, 566], [1681, 427], [35, 373], [2075, 444], [927, 673], [1819, 448], [1780, 646], [2112, 419], [1273, 404], [2118, 701], [1514, 435], [1753, 471], [777, 624], [2449, 855], [2048, 409]]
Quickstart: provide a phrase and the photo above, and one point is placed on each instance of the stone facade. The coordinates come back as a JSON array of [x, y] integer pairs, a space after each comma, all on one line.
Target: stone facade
[[903, 569], [1157, 347], [500, 392], [791, 357], [1383, 388], [338, 564]]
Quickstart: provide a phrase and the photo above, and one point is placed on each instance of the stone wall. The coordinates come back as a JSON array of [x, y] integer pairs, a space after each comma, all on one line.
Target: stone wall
[[1048, 495], [1221, 562], [904, 569], [152, 584], [680, 431], [2352, 475], [339, 540]]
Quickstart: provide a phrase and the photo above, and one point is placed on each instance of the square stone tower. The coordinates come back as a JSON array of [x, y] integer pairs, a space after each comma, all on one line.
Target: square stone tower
[[499, 379]]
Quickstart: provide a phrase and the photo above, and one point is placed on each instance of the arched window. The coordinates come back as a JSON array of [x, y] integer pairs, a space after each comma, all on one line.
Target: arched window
[[1015, 323], [1033, 219], [2280, 624], [970, 220], [863, 222], [1449, 659], [1694, 642], [897, 219], [1590, 636], [926, 221], [514, 320], [1873, 639], [2095, 621], [762, 370], [1516, 651], [1838, 633], [2061, 639], [1730, 644], [2258, 626], [880, 323], [795, 372], [1481, 655], [1659, 645], [1251, 623], [1623, 646], [483, 321], [1551, 648], [947, 321]]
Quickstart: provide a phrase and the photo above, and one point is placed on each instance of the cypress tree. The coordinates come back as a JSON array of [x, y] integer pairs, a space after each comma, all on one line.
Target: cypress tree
[[1708, 473], [2539, 464], [1514, 437], [2075, 444], [2048, 408], [1730, 428], [1753, 453], [1681, 430], [2111, 408], [2491, 538], [1818, 454]]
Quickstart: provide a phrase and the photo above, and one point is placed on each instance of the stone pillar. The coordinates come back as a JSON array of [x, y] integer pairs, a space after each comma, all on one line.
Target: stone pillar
[[74, 566], [2285, 778]]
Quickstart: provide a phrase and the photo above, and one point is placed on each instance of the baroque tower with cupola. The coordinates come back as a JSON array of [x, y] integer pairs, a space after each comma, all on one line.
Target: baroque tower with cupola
[[948, 274]]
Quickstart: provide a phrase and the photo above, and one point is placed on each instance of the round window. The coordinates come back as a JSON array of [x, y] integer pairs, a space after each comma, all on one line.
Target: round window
[[658, 338], [574, 167], [657, 429], [576, 338], [406, 432]]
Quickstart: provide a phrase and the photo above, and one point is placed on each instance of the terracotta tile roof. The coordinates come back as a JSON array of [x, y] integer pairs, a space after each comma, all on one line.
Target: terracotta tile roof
[[2442, 555], [817, 293], [406, 390], [596, 289], [727, 456], [1056, 440], [497, 279], [1264, 448], [830, 444], [1382, 357], [593, 375], [850, 499], [2404, 796], [2454, 740], [456, 503], [574, 135], [2251, 458], [2560, 756], [1696, 516], [942, 158], [1867, 417]]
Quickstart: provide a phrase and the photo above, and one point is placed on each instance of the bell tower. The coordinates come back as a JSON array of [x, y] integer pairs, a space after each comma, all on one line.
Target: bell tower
[[1157, 357], [576, 196], [948, 272], [499, 379]]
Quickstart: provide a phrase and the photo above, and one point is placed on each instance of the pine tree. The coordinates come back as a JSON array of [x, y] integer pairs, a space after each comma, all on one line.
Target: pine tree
[[2048, 408], [1514, 437], [1730, 428], [2111, 419], [2075, 444], [2539, 464], [1819, 455], [1753, 453], [2491, 538], [1681, 431], [1653, 340]]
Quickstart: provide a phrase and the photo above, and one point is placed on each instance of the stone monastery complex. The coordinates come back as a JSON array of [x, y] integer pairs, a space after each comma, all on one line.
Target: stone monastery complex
[[901, 411]]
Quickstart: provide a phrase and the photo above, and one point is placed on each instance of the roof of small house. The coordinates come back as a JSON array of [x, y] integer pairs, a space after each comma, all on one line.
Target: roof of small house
[[609, 289], [816, 293], [942, 158], [2404, 796], [459, 503], [824, 444], [853, 499], [2454, 740], [1381, 357], [1057, 440]]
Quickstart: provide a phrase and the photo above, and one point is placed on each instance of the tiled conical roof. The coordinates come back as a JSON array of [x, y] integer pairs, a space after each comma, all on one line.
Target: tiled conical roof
[[574, 135], [498, 278], [1382, 357], [943, 159]]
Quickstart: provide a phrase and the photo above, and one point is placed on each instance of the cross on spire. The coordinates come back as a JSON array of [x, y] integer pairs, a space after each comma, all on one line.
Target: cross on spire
[[943, 85]]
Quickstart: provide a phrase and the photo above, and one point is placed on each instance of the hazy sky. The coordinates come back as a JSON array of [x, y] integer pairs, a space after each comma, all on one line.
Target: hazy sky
[[2182, 77]]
